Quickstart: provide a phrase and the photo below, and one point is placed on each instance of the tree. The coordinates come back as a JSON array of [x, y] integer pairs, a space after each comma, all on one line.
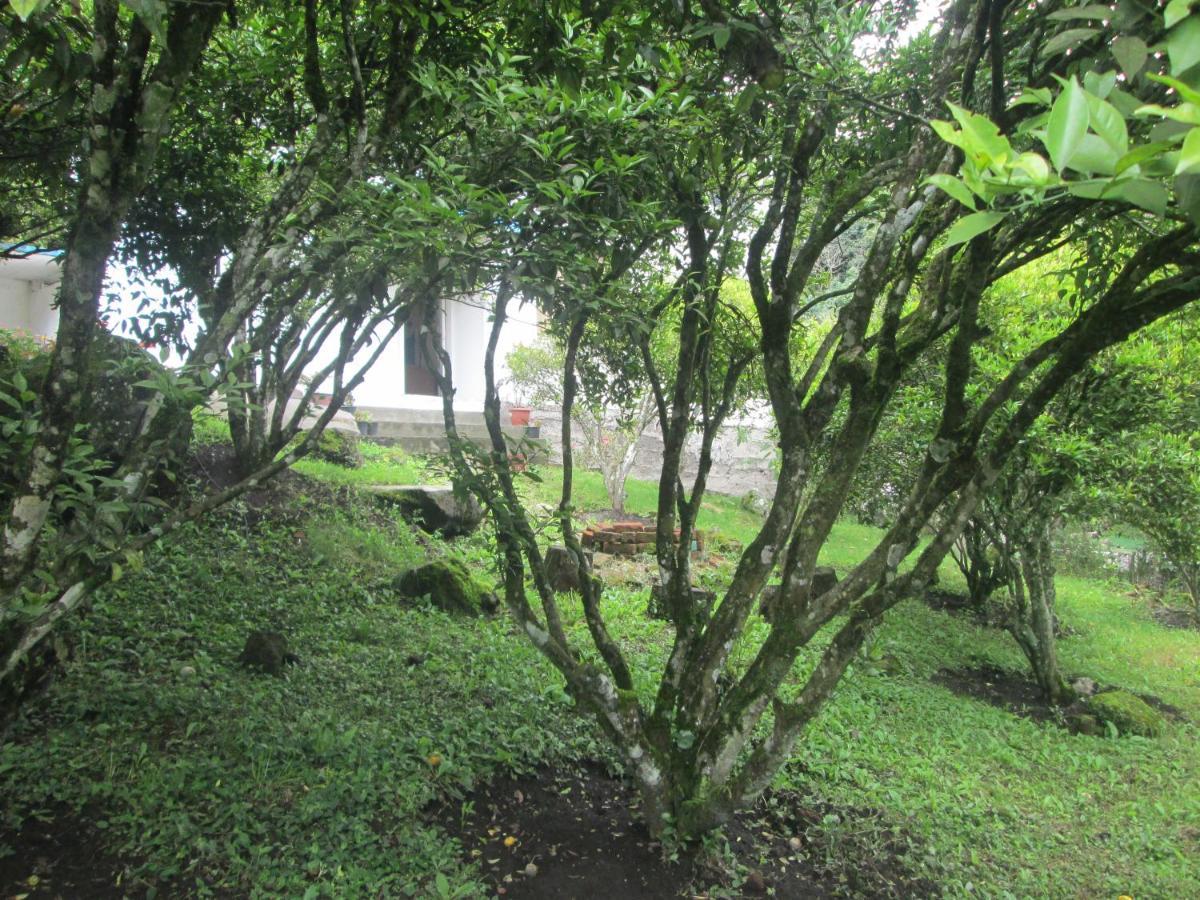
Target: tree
[[306, 228], [610, 426], [1162, 498], [827, 149]]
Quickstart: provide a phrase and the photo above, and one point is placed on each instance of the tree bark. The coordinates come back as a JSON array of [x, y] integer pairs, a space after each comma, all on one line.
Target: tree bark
[[1032, 621]]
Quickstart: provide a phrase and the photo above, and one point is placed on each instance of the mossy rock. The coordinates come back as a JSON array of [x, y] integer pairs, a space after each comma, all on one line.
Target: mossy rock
[[450, 586], [266, 651], [340, 448], [1128, 712]]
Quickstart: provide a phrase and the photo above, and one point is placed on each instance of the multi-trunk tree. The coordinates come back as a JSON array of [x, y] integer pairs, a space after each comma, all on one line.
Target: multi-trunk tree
[[828, 141], [267, 195]]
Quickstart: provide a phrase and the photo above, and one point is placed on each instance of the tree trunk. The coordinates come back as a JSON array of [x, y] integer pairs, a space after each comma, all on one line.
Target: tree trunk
[[1032, 621]]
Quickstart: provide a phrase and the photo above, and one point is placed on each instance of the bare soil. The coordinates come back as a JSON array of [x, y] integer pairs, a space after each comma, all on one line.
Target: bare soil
[[1174, 617], [63, 858], [1018, 693], [560, 835]]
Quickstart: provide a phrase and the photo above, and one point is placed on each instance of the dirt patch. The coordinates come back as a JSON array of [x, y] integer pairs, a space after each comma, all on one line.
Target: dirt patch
[[1018, 693], [285, 498], [957, 604], [63, 857], [1174, 617], [990, 615], [559, 835]]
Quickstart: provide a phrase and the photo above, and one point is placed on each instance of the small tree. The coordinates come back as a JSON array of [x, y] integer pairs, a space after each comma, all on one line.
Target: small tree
[[1160, 494], [610, 424]]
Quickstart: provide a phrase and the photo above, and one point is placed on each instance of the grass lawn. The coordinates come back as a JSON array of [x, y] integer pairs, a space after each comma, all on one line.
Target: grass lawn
[[201, 778]]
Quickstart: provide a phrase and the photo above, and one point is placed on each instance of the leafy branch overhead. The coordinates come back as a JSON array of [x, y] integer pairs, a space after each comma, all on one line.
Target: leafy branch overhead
[[1127, 134]]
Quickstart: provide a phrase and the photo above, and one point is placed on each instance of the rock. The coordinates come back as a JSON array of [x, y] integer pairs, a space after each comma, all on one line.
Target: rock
[[435, 510], [1084, 723], [824, 578], [755, 883], [187, 671], [1084, 687], [1128, 712], [657, 607], [340, 448], [451, 587], [563, 569], [889, 664], [266, 651]]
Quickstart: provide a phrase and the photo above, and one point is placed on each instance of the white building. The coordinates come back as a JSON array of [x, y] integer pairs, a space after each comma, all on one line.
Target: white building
[[28, 287], [401, 379]]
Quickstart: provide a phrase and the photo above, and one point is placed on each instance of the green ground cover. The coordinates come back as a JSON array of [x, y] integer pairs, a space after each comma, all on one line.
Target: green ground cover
[[205, 777]]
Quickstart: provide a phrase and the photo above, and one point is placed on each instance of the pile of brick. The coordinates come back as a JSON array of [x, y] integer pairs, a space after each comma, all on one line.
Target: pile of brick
[[628, 538]]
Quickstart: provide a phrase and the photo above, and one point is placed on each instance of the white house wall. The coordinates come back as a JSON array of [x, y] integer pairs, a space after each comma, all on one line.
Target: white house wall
[[466, 336], [27, 293]]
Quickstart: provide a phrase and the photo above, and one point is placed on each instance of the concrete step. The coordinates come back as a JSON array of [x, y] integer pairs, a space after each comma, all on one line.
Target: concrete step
[[391, 414]]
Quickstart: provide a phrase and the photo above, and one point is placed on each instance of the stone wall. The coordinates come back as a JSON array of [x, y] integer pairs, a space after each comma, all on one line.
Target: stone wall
[[743, 457]]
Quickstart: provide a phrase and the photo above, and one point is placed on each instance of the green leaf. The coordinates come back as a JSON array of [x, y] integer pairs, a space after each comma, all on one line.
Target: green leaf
[[1139, 155], [972, 226], [1189, 94], [1095, 156], [1130, 53], [1149, 195], [1187, 113], [1038, 96], [1187, 191], [1067, 125], [151, 12], [947, 132], [1092, 189], [981, 138], [1091, 11], [1183, 45], [1035, 166], [1100, 83], [954, 188], [1189, 154], [721, 36], [25, 8], [1065, 40], [1109, 124], [1176, 11]]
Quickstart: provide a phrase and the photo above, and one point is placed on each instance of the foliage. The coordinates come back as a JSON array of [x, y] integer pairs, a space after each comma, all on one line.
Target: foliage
[[610, 422], [805, 160], [1160, 494], [220, 760]]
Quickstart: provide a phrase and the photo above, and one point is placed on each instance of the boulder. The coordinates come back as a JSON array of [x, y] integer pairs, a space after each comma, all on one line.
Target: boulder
[[657, 607], [1084, 687], [340, 448], [450, 586], [1128, 712], [266, 651], [433, 509], [1084, 723], [563, 569], [824, 578]]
